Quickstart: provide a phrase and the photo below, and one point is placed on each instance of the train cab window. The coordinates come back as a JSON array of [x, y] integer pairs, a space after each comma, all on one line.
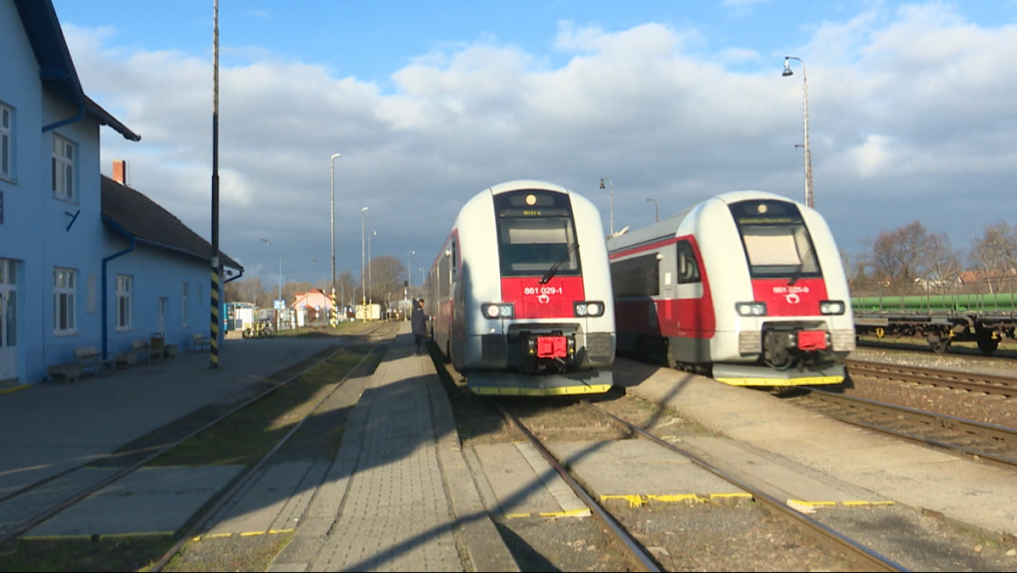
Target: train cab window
[[776, 241], [535, 233], [528, 246], [688, 268]]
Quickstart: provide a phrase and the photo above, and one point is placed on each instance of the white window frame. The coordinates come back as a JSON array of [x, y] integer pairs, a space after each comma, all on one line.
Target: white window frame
[[64, 174], [65, 283], [184, 296], [125, 302], [7, 162]]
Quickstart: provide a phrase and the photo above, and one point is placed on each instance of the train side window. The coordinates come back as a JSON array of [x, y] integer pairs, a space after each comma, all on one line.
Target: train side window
[[454, 260], [639, 276], [688, 269]]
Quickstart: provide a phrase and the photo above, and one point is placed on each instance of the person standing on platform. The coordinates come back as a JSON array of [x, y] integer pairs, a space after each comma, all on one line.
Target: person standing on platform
[[418, 322]]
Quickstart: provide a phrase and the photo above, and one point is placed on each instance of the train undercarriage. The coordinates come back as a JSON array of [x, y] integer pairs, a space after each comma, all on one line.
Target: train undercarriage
[[941, 331]]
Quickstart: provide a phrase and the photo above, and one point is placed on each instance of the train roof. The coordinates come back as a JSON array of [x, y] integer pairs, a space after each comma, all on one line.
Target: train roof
[[669, 227], [525, 184]]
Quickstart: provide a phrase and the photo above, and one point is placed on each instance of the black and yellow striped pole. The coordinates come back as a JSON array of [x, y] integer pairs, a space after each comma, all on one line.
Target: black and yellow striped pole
[[213, 346], [335, 309]]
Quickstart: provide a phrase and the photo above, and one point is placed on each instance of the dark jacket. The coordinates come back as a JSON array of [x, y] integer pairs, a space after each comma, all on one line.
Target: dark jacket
[[418, 321]]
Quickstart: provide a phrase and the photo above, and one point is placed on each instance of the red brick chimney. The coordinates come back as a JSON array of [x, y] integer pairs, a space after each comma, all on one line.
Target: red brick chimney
[[120, 171]]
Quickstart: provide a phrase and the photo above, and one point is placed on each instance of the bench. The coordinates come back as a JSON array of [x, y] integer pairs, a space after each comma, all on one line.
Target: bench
[[88, 357], [64, 372], [200, 341], [143, 348]]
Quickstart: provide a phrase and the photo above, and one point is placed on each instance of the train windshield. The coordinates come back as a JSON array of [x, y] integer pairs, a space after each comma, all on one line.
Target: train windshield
[[535, 232], [777, 242]]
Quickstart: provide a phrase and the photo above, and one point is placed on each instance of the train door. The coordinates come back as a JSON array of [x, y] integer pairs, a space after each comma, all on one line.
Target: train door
[[457, 310], [8, 320]]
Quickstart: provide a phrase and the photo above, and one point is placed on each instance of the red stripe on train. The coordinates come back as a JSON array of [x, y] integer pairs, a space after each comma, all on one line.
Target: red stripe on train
[[782, 299], [551, 300]]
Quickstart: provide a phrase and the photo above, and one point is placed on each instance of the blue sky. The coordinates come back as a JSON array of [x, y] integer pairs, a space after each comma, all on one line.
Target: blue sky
[[911, 111]]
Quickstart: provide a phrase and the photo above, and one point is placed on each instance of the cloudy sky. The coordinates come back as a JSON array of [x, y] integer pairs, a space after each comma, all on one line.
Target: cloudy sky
[[912, 112]]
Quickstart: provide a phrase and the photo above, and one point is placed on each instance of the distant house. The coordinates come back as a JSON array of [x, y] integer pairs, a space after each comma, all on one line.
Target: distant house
[[311, 307], [85, 261]]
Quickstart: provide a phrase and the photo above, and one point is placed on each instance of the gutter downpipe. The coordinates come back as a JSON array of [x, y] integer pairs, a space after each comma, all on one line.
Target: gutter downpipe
[[105, 298]]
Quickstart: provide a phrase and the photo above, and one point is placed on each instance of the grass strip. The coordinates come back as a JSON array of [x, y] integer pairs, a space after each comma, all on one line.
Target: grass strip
[[246, 436]]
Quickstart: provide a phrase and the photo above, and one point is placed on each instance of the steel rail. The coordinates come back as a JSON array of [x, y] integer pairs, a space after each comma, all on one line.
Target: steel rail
[[643, 558], [868, 558], [241, 481], [930, 420], [42, 516], [987, 383]]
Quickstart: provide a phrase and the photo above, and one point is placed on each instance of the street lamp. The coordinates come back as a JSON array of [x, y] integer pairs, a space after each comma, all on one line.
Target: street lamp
[[332, 166], [612, 199], [370, 299], [315, 261], [409, 274], [656, 210], [363, 263], [808, 156], [278, 314]]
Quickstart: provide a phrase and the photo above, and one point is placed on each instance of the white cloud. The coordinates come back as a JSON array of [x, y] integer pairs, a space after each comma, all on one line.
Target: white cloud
[[913, 103]]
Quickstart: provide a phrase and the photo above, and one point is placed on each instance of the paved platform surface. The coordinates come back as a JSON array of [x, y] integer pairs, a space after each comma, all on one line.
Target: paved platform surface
[[401, 495], [395, 498], [807, 443]]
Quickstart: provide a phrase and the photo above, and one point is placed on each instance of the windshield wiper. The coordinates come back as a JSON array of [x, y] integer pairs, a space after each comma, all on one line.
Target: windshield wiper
[[554, 268]]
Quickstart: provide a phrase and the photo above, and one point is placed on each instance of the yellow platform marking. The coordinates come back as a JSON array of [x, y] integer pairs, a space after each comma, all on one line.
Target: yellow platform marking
[[561, 391], [15, 388], [804, 381], [242, 534]]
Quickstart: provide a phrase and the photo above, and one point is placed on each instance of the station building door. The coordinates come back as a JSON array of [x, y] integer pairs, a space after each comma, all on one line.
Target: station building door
[[8, 320]]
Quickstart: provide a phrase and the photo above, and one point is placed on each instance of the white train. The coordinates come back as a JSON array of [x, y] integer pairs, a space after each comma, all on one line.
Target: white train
[[746, 286], [520, 293]]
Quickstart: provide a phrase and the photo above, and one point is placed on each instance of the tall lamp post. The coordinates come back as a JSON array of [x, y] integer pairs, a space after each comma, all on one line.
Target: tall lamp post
[[656, 210], [370, 296], [808, 156], [332, 176], [278, 320], [409, 274], [363, 263], [612, 199]]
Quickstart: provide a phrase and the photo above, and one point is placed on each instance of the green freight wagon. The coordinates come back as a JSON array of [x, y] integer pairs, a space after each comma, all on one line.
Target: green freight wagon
[[941, 319]]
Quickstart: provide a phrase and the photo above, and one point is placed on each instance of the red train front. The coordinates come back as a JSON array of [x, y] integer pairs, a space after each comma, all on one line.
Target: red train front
[[521, 293], [747, 286]]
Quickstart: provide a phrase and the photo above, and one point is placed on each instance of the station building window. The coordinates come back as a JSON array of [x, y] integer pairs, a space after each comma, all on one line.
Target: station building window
[[65, 284]]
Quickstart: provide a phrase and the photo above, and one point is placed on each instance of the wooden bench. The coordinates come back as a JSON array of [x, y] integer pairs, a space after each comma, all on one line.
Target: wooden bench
[[89, 358], [143, 348], [64, 372], [200, 341]]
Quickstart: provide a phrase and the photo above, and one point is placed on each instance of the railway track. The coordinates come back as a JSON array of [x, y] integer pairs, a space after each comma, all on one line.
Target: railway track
[[24, 509], [944, 378], [856, 552], [970, 438]]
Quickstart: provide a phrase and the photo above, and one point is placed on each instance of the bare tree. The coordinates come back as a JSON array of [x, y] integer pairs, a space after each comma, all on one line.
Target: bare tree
[[244, 290], [994, 256], [387, 276], [943, 266], [910, 256]]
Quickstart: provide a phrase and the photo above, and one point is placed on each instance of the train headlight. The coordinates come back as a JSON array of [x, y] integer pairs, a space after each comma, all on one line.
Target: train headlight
[[498, 310], [831, 307], [751, 308], [588, 308]]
